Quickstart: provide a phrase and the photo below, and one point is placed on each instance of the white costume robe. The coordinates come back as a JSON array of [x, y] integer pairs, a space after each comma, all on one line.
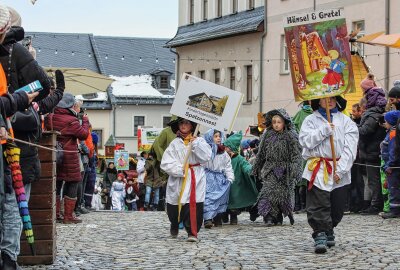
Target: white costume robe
[[314, 138], [118, 195], [172, 164]]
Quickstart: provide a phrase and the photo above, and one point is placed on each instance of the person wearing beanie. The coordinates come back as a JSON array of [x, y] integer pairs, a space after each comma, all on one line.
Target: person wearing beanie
[[243, 193], [327, 188], [368, 82], [394, 95], [117, 193], [391, 163], [186, 186]]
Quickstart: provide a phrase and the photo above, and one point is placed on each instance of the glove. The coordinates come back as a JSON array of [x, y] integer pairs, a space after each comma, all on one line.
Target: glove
[[60, 82]]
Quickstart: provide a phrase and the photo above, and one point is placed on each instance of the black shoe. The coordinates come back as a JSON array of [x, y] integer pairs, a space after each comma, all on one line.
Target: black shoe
[[208, 224], [218, 221], [390, 215], [268, 220], [225, 217], [9, 264], [370, 211], [320, 245], [330, 239], [291, 219], [234, 219], [174, 232], [83, 210]]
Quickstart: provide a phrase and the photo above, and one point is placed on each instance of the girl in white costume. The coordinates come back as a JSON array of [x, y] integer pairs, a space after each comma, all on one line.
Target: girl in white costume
[[186, 186], [118, 193]]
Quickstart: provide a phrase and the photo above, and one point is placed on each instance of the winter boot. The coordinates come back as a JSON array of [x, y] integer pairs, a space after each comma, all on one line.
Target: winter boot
[[390, 214], [225, 217], [330, 239], [208, 224], [320, 244], [268, 220], [147, 207], [59, 216], [69, 205], [217, 221], [234, 219], [254, 213], [8, 263]]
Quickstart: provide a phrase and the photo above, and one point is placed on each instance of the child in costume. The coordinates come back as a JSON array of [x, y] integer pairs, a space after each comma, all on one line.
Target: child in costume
[[187, 182], [243, 193], [219, 175], [131, 190], [279, 166], [327, 188], [391, 160], [118, 193]]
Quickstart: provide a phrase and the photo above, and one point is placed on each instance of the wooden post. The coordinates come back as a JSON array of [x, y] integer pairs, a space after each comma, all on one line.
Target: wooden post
[[328, 116], [42, 209]]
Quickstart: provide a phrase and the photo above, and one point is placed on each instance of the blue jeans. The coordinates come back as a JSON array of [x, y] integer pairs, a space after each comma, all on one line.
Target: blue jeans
[[10, 227], [156, 195]]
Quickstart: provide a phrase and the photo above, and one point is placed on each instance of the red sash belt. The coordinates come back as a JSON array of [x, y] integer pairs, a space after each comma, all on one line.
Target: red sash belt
[[192, 200], [314, 167]]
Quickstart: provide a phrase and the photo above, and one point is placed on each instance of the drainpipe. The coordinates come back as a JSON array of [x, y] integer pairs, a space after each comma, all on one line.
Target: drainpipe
[[387, 29], [114, 113], [177, 76], [262, 56]]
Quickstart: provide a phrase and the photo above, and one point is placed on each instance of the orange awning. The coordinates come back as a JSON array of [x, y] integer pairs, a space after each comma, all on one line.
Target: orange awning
[[368, 38], [391, 40]]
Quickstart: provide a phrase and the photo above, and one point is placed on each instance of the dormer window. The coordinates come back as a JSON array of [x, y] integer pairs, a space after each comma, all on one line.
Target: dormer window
[[164, 82]]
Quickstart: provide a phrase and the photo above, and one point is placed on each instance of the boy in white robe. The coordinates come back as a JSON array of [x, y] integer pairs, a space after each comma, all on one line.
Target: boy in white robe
[[186, 184], [327, 188]]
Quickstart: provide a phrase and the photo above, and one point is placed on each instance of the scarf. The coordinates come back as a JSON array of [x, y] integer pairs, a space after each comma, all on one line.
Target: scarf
[[322, 111]]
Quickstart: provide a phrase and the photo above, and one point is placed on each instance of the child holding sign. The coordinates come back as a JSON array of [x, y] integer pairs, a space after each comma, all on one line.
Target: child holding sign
[[327, 187], [187, 182]]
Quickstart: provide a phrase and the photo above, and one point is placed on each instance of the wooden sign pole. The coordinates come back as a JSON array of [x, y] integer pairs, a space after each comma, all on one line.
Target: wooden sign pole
[[328, 116]]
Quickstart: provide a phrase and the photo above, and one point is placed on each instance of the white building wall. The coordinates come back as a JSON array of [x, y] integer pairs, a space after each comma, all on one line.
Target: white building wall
[[124, 116], [101, 120]]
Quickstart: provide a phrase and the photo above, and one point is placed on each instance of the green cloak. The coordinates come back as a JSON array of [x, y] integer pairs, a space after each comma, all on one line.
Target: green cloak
[[243, 192]]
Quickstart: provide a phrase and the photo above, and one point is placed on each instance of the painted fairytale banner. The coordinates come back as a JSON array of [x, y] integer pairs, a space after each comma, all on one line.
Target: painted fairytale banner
[[319, 54], [146, 137], [121, 160], [206, 103]]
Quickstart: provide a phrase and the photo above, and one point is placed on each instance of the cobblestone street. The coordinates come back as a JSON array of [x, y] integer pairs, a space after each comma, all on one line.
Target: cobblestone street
[[140, 240]]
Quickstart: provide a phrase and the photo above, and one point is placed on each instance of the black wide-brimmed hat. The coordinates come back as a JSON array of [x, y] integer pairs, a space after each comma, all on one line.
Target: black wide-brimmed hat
[[174, 124], [340, 103]]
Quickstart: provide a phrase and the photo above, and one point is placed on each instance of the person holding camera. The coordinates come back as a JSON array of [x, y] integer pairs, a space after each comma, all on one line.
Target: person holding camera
[[65, 120]]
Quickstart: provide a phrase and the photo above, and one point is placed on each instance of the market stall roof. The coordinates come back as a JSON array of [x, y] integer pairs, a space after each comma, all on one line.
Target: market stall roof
[[390, 40]]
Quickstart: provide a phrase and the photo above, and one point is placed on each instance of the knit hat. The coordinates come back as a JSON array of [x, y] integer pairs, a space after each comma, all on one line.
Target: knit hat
[[5, 19], [67, 101], [121, 175], [245, 144], [395, 92], [233, 142], [368, 82], [392, 117], [15, 17]]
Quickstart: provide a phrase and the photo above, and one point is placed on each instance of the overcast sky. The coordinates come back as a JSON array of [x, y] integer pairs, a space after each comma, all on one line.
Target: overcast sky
[[133, 18]]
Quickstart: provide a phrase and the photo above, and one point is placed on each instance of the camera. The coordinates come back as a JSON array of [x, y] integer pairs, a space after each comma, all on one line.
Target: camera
[[27, 41]]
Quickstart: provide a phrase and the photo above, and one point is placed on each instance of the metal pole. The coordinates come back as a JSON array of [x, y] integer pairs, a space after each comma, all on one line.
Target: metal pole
[[387, 29], [262, 55], [315, 4]]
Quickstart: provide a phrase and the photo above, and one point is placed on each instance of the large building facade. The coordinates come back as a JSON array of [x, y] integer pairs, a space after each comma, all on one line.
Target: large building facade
[[240, 44]]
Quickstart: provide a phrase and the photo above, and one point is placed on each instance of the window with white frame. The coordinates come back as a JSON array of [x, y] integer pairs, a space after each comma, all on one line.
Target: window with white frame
[[138, 121], [234, 6], [165, 121], [232, 78], [217, 76], [359, 26], [250, 4], [191, 11], [249, 84], [284, 56], [205, 9], [219, 8]]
